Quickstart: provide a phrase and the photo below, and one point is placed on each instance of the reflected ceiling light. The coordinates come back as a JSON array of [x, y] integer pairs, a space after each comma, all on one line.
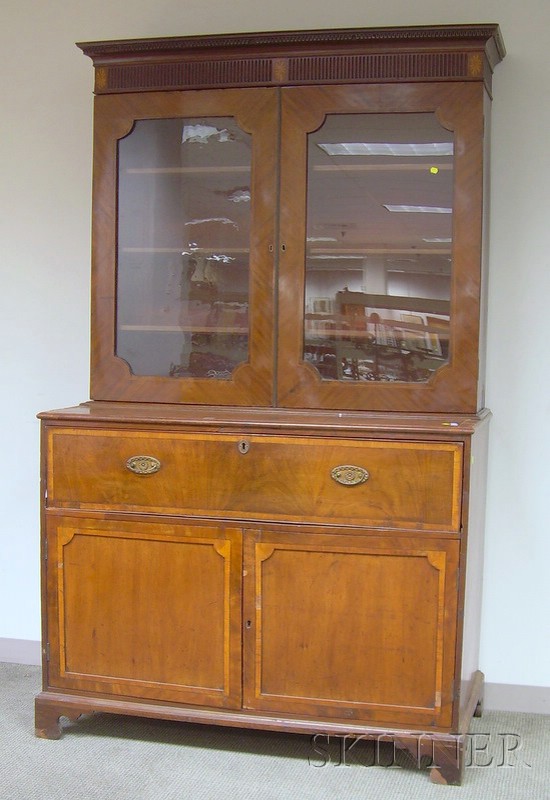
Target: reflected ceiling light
[[430, 273], [342, 257], [422, 149], [221, 220], [203, 133], [220, 257], [438, 240], [239, 195], [418, 209]]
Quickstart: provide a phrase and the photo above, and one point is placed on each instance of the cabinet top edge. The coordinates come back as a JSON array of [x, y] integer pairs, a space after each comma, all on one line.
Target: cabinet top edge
[[99, 412], [487, 36]]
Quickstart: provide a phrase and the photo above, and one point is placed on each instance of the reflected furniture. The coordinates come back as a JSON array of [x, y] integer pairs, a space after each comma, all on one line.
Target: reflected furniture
[[270, 513]]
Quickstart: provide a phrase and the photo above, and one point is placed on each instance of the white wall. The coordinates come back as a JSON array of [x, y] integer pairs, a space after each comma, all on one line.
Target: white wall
[[45, 148]]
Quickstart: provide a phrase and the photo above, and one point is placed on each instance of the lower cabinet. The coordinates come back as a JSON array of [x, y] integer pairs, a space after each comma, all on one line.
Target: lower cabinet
[[308, 583], [350, 626]]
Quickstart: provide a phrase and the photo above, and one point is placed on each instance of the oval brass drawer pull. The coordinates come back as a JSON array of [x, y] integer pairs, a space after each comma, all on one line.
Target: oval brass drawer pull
[[143, 465], [349, 475]]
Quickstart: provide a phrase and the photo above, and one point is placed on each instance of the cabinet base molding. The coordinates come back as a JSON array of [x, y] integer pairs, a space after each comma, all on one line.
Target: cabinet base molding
[[441, 752]]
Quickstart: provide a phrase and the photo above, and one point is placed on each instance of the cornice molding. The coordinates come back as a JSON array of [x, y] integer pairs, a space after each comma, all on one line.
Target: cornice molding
[[277, 39]]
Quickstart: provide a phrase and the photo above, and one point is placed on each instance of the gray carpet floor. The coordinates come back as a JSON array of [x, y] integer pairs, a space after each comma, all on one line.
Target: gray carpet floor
[[106, 756]]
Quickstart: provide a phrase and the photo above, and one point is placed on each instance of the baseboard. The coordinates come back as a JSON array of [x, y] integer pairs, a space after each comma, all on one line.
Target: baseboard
[[511, 697], [20, 651], [497, 696]]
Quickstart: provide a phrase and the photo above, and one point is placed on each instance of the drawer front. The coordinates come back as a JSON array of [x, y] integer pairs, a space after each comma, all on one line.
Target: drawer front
[[382, 483]]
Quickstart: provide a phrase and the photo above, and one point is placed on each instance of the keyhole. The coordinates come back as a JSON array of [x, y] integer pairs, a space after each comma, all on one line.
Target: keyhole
[[243, 446]]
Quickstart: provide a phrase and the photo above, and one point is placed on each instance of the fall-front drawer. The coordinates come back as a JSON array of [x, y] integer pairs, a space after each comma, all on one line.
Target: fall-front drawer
[[408, 484]]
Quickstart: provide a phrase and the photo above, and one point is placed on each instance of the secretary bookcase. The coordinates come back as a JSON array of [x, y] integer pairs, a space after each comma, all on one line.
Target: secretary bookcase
[[270, 513]]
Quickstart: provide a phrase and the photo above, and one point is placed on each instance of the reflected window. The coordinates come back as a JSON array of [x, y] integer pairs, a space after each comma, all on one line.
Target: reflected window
[[379, 247]]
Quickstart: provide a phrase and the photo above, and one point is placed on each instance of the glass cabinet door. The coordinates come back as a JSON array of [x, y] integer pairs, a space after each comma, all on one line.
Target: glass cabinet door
[[193, 185], [183, 247], [385, 257]]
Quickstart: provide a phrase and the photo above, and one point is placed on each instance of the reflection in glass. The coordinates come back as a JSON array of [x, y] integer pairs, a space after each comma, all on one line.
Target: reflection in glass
[[183, 247], [379, 239]]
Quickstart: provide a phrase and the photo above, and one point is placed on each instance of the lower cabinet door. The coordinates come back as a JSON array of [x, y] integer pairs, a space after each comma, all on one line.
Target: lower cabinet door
[[358, 627], [146, 610]]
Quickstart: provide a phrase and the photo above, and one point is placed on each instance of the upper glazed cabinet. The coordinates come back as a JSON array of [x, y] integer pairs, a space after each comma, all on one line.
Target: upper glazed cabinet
[[292, 220]]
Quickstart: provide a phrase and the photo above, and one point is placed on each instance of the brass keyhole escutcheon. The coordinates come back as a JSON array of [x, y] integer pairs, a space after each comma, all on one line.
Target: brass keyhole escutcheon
[[243, 446]]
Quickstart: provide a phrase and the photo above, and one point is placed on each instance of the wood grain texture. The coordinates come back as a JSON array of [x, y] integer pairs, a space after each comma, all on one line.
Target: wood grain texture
[[415, 485], [386, 606], [145, 610], [164, 416]]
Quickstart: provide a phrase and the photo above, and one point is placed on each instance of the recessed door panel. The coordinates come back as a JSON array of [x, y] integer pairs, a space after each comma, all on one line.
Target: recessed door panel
[[358, 629], [149, 611]]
